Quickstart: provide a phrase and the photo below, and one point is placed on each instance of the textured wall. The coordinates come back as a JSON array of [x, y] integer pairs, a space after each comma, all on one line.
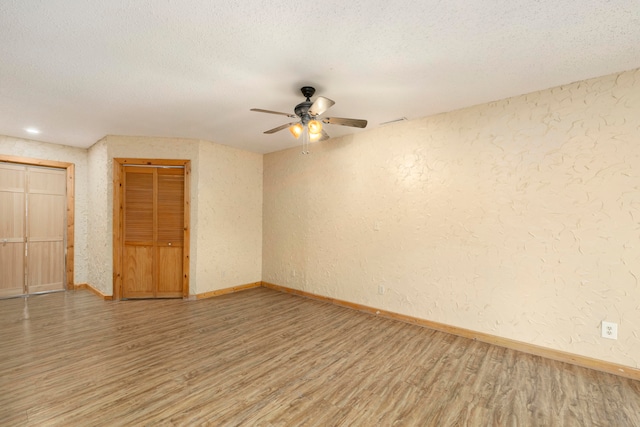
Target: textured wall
[[100, 252], [226, 214], [78, 156], [518, 218], [101, 157], [226, 206], [229, 218]]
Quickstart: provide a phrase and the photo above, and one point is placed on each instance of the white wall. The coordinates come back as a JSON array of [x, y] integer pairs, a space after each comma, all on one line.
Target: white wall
[[518, 218], [44, 151]]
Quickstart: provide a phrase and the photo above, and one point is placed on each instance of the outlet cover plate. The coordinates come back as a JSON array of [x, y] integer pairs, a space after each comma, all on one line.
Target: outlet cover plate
[[609, 330]]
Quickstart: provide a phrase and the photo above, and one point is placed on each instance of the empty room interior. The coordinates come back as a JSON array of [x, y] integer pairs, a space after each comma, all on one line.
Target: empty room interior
[[279, 213]]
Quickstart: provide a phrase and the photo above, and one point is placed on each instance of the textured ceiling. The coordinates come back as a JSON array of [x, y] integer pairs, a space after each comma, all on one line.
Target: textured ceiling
[[79, 70]]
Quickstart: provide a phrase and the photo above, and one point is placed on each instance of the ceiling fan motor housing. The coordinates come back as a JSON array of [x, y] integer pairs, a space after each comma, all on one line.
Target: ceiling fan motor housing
[[302, 111]]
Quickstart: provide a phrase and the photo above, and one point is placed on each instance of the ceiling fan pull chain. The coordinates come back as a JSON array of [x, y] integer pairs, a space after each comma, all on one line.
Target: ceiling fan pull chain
[[305, 140]]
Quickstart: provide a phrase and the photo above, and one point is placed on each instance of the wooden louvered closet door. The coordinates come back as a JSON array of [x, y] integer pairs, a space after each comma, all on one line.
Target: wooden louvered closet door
[[153, 232]]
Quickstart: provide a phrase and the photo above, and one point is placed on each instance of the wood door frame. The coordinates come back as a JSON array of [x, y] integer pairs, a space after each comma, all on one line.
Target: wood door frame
[[118, 212], [70, 179]]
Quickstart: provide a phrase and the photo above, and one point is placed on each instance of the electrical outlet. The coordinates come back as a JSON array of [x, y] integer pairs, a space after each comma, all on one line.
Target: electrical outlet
[[609, 330], [381, 289]]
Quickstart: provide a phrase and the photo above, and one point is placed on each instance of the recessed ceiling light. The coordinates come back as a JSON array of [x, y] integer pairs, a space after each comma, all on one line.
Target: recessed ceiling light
[[32, 131]]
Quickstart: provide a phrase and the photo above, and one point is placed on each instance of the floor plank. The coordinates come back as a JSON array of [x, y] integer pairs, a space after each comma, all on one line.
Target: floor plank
[[264, 358]]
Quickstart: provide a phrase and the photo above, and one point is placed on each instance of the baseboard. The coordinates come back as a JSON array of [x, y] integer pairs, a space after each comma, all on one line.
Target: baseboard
[[92, 289], [560, 356], [211, 294], [230, 290]]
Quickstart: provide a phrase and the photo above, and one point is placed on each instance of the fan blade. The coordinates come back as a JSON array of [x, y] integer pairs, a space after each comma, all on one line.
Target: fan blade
[[356, 123], [317, 137], [320, 105], [279, 128], [259, 110]]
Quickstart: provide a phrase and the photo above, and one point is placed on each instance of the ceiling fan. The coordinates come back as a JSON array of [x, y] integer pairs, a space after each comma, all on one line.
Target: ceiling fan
[[309, 125]]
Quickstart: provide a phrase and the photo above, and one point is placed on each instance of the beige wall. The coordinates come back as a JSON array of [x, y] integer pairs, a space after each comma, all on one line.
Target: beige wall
[[229, 234], [519, 218], [226, 206], [40, 150], [226, 209], [100, 252], [101, 156]]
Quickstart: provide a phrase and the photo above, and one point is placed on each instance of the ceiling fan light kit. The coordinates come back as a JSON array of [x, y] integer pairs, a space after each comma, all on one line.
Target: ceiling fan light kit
[[309, 125], [296, 130], [315, 127]]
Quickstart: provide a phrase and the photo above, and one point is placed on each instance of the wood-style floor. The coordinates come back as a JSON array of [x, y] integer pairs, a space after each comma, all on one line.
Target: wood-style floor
[[264, 358]]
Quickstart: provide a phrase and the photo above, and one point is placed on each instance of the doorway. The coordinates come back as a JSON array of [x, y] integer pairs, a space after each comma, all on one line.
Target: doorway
[[33, 228], [151, 224]]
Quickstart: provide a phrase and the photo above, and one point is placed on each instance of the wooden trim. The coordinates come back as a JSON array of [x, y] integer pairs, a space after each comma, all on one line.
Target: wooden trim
[[233, 289], [151, 162], [34, 162], [154, 230], [71, 214], [118, 211], [90, 288], [560, 356], [70, 174], [186, 244], [117, 229]]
